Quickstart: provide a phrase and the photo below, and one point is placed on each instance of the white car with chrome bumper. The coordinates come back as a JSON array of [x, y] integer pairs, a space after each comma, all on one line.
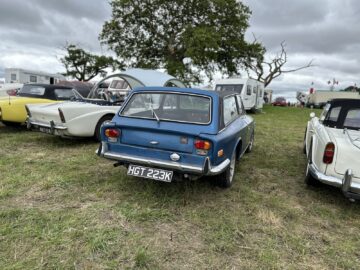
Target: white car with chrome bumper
[[332, 146]]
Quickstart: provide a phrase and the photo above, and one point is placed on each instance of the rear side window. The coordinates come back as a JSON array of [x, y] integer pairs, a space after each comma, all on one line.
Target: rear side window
[[32, 90], [352, 119], [229, 87], [230, 110], [333, 116], [64, 93]]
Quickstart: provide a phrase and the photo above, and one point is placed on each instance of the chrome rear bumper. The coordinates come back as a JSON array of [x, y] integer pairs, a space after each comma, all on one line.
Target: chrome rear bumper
[[30, 124], [349, 188], [206, 169]]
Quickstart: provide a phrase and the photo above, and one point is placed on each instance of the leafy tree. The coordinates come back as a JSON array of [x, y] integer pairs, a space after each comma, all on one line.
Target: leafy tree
[[351, 88], [187, 38], [267, 71], [83, 65]]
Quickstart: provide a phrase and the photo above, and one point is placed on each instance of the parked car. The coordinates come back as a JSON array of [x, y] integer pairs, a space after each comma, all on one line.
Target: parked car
[[169, 133], [279, 101], [84, 118], [12, 108], [251, 91], [332, 146], [11, 89]]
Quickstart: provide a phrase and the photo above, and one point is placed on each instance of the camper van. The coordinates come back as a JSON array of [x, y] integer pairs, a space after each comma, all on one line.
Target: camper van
[[319, 98], [252, 91]]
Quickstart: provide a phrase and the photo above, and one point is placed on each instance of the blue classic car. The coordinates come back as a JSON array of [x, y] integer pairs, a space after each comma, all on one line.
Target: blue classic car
[[166, 133]]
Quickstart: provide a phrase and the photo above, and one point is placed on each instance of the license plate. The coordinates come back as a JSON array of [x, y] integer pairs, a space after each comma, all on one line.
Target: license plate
[[151, 173], [45, 130]]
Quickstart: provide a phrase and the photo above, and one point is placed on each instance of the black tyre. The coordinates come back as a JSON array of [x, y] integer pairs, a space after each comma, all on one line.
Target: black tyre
[[309, 179], [225, 179], [11, 124], [106, 118], [251, 144], [304, 146]]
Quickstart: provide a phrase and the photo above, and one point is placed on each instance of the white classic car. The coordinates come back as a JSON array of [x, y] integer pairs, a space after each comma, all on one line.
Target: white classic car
[[84, 118], [332, 146]]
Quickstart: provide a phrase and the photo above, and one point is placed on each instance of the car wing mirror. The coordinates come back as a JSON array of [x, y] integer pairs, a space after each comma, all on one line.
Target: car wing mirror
[[312, 115]]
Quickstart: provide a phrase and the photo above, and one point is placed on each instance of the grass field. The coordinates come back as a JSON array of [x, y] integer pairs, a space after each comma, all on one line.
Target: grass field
[[63, 207]]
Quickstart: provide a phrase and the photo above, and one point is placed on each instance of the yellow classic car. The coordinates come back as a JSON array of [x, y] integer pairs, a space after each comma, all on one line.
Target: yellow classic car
[[13, 110]]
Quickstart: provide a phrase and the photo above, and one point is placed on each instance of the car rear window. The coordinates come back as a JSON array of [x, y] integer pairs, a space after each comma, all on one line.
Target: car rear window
[[32, 90], [229, 87], [169, 107]]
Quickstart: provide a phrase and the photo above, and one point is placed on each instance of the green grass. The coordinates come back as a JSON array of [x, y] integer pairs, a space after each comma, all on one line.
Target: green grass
[[63, 207]]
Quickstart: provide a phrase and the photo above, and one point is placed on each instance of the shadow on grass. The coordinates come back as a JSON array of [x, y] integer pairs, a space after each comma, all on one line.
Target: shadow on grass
[[326, 194]]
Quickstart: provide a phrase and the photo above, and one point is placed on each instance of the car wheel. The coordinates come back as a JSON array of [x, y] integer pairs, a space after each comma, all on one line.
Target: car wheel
[[104, 119], [225, 179], [304, 146], [251, 144], [11, 124], [309, 179]]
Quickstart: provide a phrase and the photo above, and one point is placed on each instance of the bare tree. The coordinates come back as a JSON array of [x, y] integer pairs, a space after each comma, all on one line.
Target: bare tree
[[266, 71]]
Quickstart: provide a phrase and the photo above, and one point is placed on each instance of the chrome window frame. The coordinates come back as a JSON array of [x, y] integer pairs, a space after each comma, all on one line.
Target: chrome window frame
[[164, 119]]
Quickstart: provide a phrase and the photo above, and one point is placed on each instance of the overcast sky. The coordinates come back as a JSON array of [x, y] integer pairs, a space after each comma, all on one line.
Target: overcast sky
[[33, 32]]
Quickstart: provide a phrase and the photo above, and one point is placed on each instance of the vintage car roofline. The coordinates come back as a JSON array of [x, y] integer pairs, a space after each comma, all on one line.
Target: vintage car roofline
[[345, 101], [186, 90]]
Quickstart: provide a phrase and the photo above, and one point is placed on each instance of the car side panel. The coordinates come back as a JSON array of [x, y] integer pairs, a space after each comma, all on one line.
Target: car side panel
[[84, 125], [229, 137], [317, 138]]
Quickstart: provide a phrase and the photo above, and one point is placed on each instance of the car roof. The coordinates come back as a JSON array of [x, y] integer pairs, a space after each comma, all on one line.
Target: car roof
[[342, 101], [187, 90], [49, 86]]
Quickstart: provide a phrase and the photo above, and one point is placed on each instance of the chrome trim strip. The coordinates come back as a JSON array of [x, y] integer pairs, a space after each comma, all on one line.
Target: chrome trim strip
[[346, 183], [45, 125], [165, 164], [168, 120], [154, 162]]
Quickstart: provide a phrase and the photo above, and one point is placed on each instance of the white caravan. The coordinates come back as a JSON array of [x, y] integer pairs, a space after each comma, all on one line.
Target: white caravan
[[252, 91]]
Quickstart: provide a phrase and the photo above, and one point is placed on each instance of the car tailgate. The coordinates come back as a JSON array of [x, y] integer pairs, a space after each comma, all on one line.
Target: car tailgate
[[158, 139]]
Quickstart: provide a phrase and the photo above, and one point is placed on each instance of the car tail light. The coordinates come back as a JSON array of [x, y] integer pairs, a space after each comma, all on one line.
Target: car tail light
[[329, 153], [202, 145], [62, 117], [27, 111], [112, 133], [11, 92]]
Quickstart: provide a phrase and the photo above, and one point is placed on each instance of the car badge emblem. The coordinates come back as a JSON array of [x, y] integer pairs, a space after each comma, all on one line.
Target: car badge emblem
[[183, 140], [174, 157], [154, 143]]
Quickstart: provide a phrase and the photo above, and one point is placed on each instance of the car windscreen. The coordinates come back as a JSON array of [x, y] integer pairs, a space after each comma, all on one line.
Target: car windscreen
[[229, 87], [352, 119], [167, 106], [31, 91]]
